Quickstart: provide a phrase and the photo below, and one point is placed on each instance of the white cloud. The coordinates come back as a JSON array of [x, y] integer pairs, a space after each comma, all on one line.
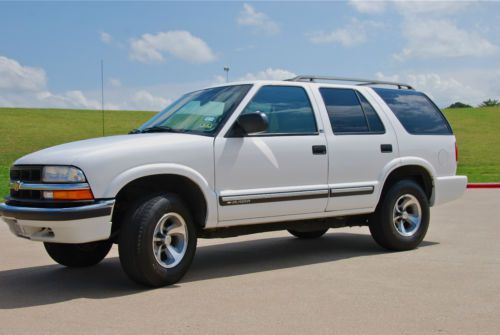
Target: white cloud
[[105, 37], [411, 8], [249, 16], [14, 76], [430, 32], [115, 82], [354, 33], [467, 86], [75, 99], [24, 86], [46, 99], [431, 7], [441, 38], [218, 80], [368, 6], [269, 74], [144, 100], [150, 48]]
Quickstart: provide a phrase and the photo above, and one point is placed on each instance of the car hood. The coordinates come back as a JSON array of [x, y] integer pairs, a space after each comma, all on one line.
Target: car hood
[[104, 159], [124, 150], [137, 149]]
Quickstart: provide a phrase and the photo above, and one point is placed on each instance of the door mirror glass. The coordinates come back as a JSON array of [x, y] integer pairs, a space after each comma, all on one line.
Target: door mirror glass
[[253, 123]]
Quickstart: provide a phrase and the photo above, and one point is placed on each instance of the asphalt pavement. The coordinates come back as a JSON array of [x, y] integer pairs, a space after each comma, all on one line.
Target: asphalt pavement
[[272, 283]]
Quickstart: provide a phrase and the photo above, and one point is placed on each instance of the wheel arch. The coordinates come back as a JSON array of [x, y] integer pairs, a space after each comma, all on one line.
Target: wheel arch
[[413, 169], [191, 186]]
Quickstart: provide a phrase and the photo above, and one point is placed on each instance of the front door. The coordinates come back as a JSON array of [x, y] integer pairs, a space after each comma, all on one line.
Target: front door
[[274, 173]]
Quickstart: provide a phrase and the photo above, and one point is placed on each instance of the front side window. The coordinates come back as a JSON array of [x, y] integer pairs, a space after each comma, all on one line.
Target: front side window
[[288, 109], [201, 112], [350, 113], [416, 112]]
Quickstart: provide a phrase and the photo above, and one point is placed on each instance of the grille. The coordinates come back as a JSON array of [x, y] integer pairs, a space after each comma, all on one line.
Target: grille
[[28, 174], [26, 194], [33, 198]]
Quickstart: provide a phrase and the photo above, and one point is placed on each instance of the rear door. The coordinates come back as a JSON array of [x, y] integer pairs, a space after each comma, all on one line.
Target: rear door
[[361, 141]]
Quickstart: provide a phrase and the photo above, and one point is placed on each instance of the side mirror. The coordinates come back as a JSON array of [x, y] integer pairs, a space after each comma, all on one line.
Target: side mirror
[[253, 123]]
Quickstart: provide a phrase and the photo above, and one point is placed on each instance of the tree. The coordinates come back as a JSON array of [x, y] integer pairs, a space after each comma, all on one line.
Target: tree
[[490, 103], [459, 105]]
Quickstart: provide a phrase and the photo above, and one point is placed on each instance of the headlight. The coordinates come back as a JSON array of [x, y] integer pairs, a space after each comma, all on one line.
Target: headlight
[[62, 174]]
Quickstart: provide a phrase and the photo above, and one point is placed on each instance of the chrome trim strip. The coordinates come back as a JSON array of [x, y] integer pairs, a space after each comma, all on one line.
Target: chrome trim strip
[[101, 208], [272, 197], [346, 191], [47, 187]]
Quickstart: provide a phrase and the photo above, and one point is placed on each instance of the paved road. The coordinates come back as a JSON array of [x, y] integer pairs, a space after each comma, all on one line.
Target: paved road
[[273, 283]]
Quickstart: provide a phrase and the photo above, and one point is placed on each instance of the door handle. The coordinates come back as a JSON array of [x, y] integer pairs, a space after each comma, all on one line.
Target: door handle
[[319, 149], [386, 148]]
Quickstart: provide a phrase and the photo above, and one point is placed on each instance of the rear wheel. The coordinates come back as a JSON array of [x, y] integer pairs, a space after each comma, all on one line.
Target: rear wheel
[[402, 217], [157, 241], [308, 234], [78, 255]]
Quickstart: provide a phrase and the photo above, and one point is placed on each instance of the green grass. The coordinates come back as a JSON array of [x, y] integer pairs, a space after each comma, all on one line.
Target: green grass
[[27, 130], [478, 137]]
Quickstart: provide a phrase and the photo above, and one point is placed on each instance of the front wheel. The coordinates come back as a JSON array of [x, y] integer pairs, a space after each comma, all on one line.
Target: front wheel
[[78, 255], [402, 218], [157, 241]]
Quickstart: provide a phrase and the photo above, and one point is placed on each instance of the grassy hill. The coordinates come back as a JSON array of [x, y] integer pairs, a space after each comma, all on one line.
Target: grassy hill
[[478, 137], [27, 130]]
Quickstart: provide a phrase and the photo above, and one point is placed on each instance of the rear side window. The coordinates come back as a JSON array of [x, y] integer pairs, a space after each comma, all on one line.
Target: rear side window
[[287, 107], [374, 122], [416, 112], [350, 113]]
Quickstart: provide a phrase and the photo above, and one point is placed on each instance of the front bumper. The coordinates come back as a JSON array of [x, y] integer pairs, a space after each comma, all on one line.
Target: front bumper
[[60, 225]]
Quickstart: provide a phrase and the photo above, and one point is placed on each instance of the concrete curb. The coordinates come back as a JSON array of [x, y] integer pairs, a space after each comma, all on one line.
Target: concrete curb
[[483, 185]]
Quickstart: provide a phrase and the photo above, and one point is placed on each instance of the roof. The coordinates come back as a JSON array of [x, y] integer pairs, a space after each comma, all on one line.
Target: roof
[[360, 82], [341, 81]]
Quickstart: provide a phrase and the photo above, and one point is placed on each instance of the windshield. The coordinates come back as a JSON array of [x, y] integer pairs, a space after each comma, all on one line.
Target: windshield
[[201, 112]]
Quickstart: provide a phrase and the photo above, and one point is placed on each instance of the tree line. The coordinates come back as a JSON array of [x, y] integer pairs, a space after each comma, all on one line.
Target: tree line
[[485, 103]]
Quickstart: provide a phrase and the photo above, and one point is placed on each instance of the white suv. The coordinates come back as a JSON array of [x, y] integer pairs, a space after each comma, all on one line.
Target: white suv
[[303, 155]]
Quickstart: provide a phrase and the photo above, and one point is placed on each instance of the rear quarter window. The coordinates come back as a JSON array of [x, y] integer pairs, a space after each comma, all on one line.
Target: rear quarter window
[[416, 112]]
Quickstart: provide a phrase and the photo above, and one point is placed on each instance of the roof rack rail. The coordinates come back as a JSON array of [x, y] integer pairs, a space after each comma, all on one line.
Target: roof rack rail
[[361, 82]]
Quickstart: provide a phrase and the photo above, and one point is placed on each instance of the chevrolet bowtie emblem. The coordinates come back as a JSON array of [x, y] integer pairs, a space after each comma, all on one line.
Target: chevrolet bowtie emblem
[[16, 185]]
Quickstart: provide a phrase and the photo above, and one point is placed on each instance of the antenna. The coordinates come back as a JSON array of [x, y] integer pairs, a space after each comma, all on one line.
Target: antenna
[[226, 69], [102, 95]]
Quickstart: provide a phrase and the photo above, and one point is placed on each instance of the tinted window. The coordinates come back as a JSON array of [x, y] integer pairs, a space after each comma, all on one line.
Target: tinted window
[[287, 107], [200, 112], [372, 117], [415, 111], [350, 112]]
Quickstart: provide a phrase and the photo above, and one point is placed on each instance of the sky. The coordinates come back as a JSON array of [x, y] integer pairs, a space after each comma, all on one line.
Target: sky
[[50, 52]]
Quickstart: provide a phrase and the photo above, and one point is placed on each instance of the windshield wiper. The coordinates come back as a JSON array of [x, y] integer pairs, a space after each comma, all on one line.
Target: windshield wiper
[[157, 129]]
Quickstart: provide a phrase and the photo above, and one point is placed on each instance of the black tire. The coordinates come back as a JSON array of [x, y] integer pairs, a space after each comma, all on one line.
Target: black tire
[[383, 225], [78, 255], [308, 234], [135, 242]]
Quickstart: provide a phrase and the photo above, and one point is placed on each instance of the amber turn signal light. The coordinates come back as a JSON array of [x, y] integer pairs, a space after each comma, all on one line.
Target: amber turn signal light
[[84, 194]]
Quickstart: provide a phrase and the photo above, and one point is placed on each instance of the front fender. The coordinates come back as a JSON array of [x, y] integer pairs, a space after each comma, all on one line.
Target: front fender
[[176, 169]]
